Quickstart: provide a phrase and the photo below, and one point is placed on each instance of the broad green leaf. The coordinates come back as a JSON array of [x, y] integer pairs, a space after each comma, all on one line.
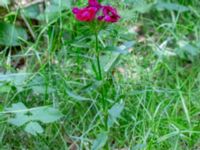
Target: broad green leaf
[[31, 12], [139, 147], [38, 86], [129, 1], [19, 120], [41, 89], [34, 128], [4, 3], [15, 79], [46, 114], [128, 14], [4, 88], [64, 4], [53, 11], [23, 115], [100, 141], [141, 6], [10, 35], [171, 7], [43, 114], [19, 109], [114, 113], [187, 50]]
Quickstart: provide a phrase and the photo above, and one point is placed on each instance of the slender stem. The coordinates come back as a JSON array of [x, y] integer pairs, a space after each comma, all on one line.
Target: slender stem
[[97, 56], [100, 77]]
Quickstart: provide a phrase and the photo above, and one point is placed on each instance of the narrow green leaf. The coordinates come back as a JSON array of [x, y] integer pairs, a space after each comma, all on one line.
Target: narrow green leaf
[[139, 147], [167, 136], [100, 141], [112, 62], [112, 59], [77, 97], [10, 35], [115, 113], [171, 7]]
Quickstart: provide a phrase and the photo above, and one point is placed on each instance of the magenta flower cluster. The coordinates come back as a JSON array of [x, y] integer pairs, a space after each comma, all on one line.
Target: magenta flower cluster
[[95, 10]]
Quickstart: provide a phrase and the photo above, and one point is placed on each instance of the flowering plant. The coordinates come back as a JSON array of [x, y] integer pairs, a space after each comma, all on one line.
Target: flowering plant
[[97, 14]]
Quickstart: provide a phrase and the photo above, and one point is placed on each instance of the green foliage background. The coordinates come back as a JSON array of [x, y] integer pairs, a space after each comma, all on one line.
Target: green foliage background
[[50, 99]]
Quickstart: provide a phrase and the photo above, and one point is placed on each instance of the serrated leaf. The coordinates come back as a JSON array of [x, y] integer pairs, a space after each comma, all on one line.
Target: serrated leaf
[[34, 128], [114, 113], [100, 141], [10, 35]]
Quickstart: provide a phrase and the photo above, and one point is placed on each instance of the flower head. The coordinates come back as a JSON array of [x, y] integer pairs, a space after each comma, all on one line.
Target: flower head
[[85, 14], [109, 14], [94, 3]]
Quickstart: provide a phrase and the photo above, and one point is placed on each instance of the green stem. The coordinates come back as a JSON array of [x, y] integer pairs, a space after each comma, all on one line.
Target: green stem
[[100, 77], [97, 56]]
